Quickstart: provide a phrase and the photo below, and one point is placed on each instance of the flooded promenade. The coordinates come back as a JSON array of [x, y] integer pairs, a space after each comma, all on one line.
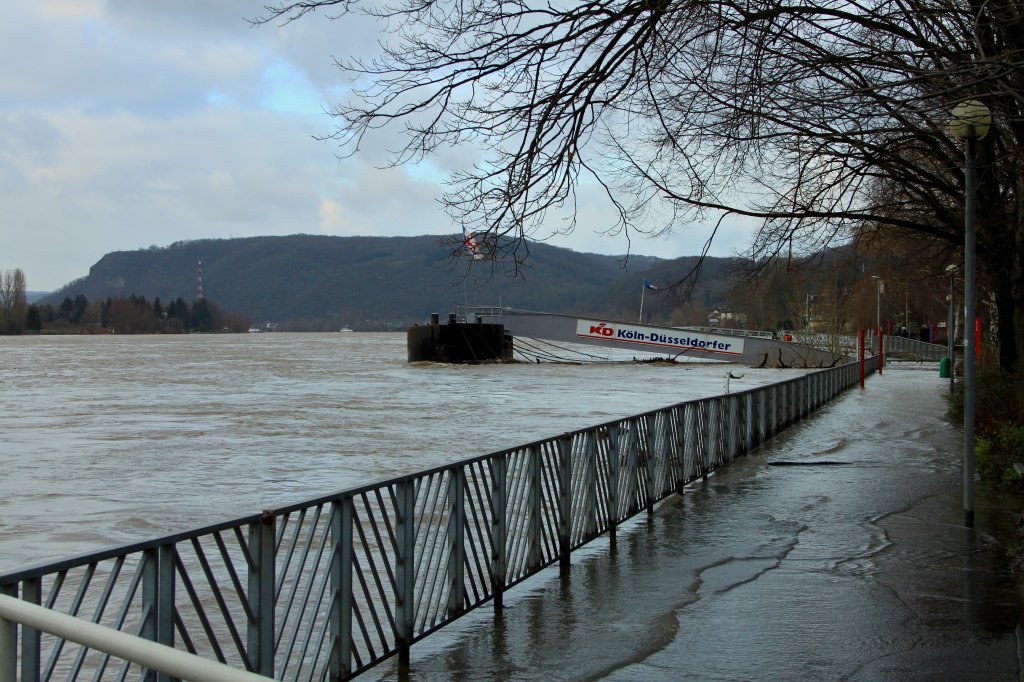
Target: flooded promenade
[[837, 552]]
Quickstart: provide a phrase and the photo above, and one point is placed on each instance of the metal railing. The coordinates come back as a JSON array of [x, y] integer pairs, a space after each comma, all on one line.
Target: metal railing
[[755, 333], [918, 350], [327, 588]]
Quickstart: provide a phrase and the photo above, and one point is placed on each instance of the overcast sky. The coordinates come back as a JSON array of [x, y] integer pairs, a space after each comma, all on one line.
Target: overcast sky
[[130, 123]]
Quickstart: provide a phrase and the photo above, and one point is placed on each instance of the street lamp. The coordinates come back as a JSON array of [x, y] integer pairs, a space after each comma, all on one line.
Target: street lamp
[[971, 121], [879, 286], [951, 271]]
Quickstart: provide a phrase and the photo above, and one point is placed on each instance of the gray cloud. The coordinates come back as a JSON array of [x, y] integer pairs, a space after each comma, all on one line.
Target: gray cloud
[[128, 124]]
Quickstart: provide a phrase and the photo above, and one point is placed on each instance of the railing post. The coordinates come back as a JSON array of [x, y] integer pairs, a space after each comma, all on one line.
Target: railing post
[[8, 641], [534, 503], [748, 426], [691, 442], [668, 453], [158, 602], [499, 527], [405, 568], [650, 464], [776, 408], [710, 435], [792, 405], [341, 584], [456, 541], [723, 430], [564, 499], [732, 426], [631, 448], [787, 402], [657, 459], [613, 480], [679, 447], [758, 397], [260, 639], [792, 413], [764, 399], [590, 484], [150, 599], [31, 639]]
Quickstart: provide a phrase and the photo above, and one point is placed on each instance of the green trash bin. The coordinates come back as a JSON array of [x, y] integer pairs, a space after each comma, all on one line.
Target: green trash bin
[[944, 368]]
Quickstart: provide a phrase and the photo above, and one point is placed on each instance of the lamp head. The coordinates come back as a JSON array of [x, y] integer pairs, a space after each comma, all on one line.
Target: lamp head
[[971, 119], [952, 270]]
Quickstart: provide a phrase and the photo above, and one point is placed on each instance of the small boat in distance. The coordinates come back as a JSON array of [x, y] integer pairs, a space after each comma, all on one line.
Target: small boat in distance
[[345, 330]]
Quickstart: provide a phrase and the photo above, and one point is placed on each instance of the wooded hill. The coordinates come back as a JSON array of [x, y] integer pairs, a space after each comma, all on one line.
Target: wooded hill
[[309, 282]]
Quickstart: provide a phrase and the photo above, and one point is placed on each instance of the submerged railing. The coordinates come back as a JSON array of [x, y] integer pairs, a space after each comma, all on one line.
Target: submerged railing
[[327, 588]]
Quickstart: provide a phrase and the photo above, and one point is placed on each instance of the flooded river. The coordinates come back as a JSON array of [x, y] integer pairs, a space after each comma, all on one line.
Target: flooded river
[[109, 439], [834, 552]]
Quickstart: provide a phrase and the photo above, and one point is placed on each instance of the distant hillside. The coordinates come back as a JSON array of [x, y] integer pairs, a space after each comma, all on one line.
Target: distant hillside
[[321, 283]]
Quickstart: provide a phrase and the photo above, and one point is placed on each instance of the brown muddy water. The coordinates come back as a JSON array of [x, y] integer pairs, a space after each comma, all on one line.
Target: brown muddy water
[[112, 439]]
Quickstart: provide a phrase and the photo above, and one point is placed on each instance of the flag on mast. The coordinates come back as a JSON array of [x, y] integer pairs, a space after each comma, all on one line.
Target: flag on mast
[[647, 285], [470, 244]]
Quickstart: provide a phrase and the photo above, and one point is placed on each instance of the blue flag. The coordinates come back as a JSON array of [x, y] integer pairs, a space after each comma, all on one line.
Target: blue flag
[[648, 285]]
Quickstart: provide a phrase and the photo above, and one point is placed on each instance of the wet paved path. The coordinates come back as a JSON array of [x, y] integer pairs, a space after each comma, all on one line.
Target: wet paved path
[[836, 552]]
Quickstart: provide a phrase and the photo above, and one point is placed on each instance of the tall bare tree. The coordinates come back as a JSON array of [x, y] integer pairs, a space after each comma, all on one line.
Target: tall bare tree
[[819, 119], [13, 303]]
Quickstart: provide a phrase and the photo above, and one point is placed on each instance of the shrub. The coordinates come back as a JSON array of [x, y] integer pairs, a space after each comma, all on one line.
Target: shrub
[[995, 455], [995, 400], [1000, 435]]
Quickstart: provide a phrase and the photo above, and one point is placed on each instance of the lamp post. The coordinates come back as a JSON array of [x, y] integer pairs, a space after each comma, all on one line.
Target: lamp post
[[951, 272], [971, 121], [878, 309]]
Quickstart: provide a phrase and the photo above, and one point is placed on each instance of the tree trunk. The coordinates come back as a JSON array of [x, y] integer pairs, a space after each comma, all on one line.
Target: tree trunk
[[1008, 308], [1016, 322]]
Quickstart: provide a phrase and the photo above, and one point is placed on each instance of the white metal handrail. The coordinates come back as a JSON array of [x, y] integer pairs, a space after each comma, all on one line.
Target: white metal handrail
[[165, 659]]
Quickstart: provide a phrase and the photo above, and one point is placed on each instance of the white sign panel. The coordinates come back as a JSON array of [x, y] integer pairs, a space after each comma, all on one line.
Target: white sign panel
[[660, 339]]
